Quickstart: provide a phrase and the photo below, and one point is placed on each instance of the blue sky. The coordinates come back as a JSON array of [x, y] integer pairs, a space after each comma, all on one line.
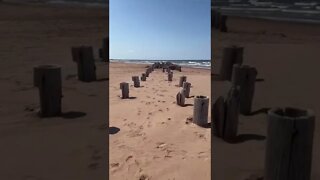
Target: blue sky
[[160, 29]]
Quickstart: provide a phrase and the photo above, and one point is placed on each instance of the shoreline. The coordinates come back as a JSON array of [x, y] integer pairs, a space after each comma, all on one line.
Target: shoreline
[[183, 66]]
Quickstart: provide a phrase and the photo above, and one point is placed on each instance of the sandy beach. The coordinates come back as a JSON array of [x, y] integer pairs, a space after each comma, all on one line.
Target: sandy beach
[[286, 56], [152, 138], [73, 146]]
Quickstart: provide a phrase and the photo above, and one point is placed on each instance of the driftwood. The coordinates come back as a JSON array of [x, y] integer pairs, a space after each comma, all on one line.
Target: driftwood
[[244, 77], [231, 55], [48, 79], [232, 115], [125, 90], [182, 79], [83, 56], [180, 98], [200, 110], [289, 144]]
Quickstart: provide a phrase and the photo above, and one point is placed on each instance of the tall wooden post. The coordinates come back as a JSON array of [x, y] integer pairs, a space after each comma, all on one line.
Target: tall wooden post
[[289, 144], [218, 117], [186, 86], [200, 110], [180, 98], [136, 81], [143, 77], [232, 115], [48, 79], [231, 55], [182, 79], [104, 51], [170, 75], [223, 23], [245, 77], [83, 56], [124, 90]]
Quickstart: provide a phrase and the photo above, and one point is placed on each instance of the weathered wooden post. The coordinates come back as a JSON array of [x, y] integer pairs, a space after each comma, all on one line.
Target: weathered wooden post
[[218, 117], [170, 75], [168, 70], [200, 110], [245, 77], [143, 77], [182, 79], [223, 23], [180, 98], [125, 90], [83, 56], [289, 144], [186, 86], [48, 79], [232, 115], [104, 51], [231, 55], [147, 72], [163, 69], [136, 82]]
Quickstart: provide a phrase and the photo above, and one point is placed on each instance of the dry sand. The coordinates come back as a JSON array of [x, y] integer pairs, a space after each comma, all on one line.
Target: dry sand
[[286, 56], [72, 147], [153, 139]]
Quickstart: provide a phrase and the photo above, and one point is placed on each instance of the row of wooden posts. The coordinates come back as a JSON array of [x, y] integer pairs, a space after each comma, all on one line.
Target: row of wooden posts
[[48, 77], [201, 103], [289, 132]]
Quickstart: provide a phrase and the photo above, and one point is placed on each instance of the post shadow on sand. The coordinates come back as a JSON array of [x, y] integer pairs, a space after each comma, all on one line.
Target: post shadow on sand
[[102, 80], [72, 114], [259, 111], [247, 137], [131, 97], [113, 130], [190, 97], [65, 115], [208, 125], [186, 105]]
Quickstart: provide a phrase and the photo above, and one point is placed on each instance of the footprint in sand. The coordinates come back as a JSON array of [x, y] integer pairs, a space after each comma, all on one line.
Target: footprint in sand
[[169, 119], [168, 109], [128, 158], [144, 177], [148, 97], [160, 110]]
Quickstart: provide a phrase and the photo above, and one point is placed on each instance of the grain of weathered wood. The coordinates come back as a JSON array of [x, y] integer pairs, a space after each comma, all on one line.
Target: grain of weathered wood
[[180, 98], [232, 114], [48, 79], [200, 110], [289, 144], [218, 117], [124, 90], [84, 58], [186, 86], [245, 77]]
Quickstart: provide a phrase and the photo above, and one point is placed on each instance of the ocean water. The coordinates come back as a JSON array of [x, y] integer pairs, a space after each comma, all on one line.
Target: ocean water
[[308, 12], [89, 3], [204, 64]]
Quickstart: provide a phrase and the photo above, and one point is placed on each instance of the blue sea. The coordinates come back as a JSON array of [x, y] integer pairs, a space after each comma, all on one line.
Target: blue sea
[[299, 11], [204, 64]]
